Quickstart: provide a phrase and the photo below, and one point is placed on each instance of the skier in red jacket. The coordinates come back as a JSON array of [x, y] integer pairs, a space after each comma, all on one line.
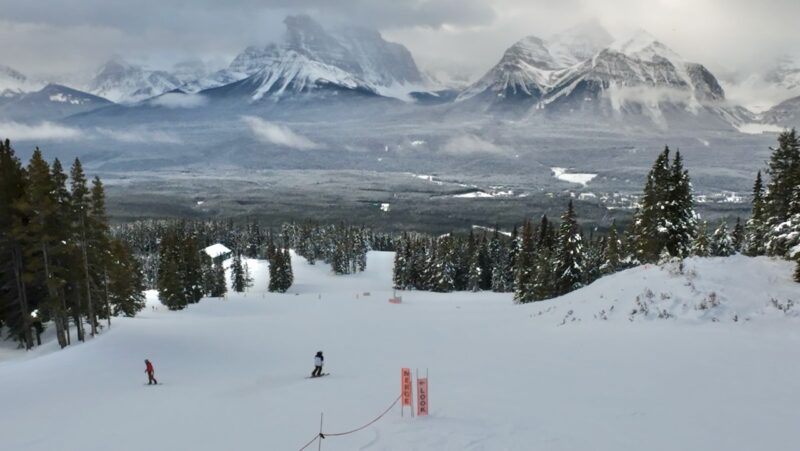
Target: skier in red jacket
[[149, 370]]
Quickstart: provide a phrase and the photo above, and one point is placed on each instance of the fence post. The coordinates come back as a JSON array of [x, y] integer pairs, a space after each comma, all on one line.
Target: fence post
[[319, 439]]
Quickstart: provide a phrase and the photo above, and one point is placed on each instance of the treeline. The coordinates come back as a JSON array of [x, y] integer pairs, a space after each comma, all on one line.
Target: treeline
[[549, 259], [58, 260], [341, 246], [172, 253], [774, 227]]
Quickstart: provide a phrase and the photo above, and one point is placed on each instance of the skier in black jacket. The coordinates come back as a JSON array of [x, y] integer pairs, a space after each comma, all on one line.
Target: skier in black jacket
[[319, 360]]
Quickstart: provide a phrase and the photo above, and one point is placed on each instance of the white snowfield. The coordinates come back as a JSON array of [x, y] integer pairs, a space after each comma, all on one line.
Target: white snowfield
[[724, 375]]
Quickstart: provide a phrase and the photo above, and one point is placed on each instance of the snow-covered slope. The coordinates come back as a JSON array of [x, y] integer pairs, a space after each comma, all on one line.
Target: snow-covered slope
[[785, 114], [502, 376], [51, 102], [123, 82]]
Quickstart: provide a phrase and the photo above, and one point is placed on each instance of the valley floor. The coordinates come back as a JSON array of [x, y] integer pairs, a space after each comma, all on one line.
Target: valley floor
[[566, 374]]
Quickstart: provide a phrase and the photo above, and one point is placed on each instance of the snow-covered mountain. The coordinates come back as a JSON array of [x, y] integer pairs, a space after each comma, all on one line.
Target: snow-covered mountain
[[311, 57], [14, 83], [51, 102], [638, 70], [123, 82], [785, 114], [638, 75], [532, 66]]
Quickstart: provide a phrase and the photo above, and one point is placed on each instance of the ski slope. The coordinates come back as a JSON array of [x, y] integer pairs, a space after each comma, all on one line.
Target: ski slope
[[502, 376]]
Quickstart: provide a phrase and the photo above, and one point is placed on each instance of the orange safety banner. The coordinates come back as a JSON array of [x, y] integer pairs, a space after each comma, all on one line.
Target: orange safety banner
[[405, 386], [422, 396]]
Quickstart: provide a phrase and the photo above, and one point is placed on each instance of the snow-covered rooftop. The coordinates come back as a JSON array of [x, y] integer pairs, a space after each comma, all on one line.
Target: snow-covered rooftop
[[215, 250]]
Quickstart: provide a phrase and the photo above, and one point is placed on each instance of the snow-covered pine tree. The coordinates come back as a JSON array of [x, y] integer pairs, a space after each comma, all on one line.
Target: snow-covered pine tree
[[721, 242], [238, 283], [499, 272], [401, 261], [248, 277], [701, 245], [784, 172], [755, 228], [511, 259], [666, 217], [611, 253], [544, 261], [276, 269], [797, 269], [680, 215], [650, 228], [782, 200], [525, 268], [288, 272], [570, 256], [218, 285], [594, 260], [475, 275], [443, 270], [738, 235]]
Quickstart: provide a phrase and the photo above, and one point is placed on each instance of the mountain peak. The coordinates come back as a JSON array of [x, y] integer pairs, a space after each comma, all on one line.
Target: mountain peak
[[642, 45]]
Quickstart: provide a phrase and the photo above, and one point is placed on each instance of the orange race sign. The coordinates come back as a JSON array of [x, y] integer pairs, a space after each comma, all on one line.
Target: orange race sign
[[405, 387], [422, 396]]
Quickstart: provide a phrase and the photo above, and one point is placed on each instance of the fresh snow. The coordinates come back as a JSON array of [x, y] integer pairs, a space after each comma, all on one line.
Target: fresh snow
[[581, 179], [215, 250], [567, 374], [758, 129]]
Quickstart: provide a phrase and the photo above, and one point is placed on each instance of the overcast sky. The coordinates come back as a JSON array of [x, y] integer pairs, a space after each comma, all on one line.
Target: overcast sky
[[49, 37]]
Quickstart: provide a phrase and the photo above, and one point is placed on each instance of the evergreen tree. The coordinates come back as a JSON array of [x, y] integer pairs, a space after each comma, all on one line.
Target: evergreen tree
[[511, 260], [443, 272], [400, 269], [170, 285], [797, 270], [525, 269], [738, 235], [701, 245], [680, 214], [219, 287], [611, 255], [81, 208], [13, 287], [288, 272], [784, 172], [721, 242], [475, 271], [544, 262], [125, 281], [238, 283], [755, 229], [569, 264], [666, 217]]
